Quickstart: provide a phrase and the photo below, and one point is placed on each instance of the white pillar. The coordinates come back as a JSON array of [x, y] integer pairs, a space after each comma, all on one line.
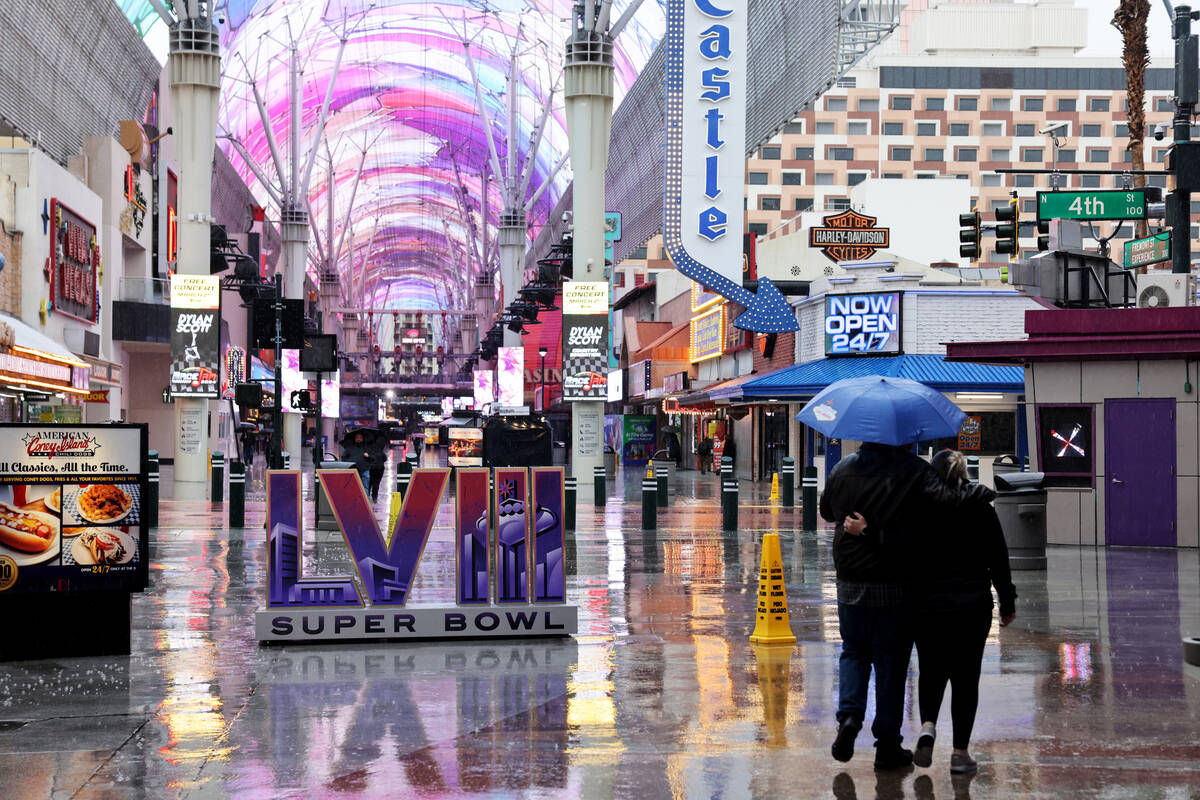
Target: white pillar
[[294, 234], [589, 101], [195, 79], [512, 263]]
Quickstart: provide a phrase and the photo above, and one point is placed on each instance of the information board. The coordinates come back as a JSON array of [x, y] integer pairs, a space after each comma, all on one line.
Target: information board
[[1112, 204], [71, 508]]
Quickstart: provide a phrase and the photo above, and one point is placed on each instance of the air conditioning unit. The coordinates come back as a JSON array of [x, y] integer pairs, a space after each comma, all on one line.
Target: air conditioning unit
[[1165, 290]]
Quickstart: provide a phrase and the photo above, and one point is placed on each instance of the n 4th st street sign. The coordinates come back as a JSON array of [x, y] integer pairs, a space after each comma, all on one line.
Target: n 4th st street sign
[[1121, 204], [1151, 250]]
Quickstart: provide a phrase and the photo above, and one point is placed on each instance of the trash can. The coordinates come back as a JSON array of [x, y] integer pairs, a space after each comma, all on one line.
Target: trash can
[[610, 463], [1021, 507], [1005, 464], [325, 519]]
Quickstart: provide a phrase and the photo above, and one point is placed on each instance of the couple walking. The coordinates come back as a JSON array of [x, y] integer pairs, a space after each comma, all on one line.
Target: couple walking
[[916, 548]]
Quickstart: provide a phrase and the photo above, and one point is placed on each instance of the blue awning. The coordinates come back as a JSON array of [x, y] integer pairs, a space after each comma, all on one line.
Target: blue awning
[[931, 369]]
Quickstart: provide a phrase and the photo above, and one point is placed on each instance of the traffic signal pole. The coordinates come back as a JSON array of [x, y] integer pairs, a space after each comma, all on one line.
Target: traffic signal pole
[[1179, 202]]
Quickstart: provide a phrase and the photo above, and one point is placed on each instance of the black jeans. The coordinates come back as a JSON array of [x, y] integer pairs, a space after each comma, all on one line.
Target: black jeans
[[879, 638], [950, 648]]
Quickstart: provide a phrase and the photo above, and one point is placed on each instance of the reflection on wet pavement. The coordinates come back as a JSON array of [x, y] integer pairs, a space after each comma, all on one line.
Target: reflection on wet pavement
[[660, 694]]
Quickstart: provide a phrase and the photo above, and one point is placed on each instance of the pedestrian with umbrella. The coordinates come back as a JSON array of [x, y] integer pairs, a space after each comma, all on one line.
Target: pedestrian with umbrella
[[897, 492], [356, 449]]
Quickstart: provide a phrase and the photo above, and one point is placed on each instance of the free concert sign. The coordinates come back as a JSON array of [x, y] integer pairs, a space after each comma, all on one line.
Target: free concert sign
[[509, 555]]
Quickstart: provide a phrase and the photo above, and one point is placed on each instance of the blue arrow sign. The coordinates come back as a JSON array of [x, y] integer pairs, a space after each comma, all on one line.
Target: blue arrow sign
[[716, 62]]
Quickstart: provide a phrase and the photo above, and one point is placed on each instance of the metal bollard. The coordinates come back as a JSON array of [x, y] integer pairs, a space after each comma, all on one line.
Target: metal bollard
[[726, 469], [217, 492], [599, 477], [662, 475], [570, 491], [237, 494], [729, 505], [809, 499], [287, 459], [973, 468], [649, 504], [787, 482], [150, 503]]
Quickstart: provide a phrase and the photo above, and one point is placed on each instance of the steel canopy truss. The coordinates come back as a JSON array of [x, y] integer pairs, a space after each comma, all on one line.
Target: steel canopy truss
[[863, 24]]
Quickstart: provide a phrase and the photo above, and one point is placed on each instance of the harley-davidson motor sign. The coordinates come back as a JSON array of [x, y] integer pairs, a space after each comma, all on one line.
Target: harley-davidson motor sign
[[848, 236]]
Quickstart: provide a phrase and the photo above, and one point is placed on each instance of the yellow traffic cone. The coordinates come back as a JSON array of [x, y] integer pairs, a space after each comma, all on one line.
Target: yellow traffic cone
[[650, 473], [772, 625], [774, 487]]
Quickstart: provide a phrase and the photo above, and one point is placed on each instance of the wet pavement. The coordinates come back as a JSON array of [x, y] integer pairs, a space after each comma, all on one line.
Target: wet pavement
[[660, 694]]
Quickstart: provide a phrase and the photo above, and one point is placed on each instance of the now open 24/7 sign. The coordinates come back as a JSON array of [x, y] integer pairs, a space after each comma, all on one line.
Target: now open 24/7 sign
[[1097, 205]]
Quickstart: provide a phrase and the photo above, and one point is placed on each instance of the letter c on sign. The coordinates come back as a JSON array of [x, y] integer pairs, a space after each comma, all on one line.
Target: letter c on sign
[[708, 9]]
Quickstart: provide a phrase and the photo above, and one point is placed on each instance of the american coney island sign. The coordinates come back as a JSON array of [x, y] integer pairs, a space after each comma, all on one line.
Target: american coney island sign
[[509, 556], [848, 236]]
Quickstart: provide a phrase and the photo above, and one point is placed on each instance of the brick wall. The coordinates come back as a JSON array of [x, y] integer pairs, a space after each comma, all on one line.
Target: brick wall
[[784, 355], [10, 277]]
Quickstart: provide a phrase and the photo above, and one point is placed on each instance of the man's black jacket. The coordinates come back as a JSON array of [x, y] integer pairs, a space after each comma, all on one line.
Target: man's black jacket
[[897, 493]]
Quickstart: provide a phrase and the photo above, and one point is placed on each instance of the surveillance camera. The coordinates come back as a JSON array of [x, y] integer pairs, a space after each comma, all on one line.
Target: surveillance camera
[[1160, 131], [1053, 127]]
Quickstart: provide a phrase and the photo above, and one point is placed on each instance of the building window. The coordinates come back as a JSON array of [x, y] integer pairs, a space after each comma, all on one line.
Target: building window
[[847, 83], [858, 128], [826, 128], [1196, 206], [757, 178], [1164, 104], [840, 153], [1000, 104], [1031, 154], [1066, 156], [992, 180], [1024, 130], [1089, 181], [927, 129], [1028, 205], [1023, 181], [901, 154], [768, 204], [771, 153], [893, 128], [757, 228], [837, 203], [1120, 130], [803, 154], [995, 205], [1032, 104], [794, 128], [935, 154], [802, 204], [1090, 130], [1127, 157], [1065, 104], [793, 179], [965, 154], [999, 154], [868, 104], [824, 179], [960, 129], [638, 253], [855, 178], [902, 103], [1098, 104], [893, 176], [926, 176], [1097, 155], [1160, 154], [935, 104], [1151, 180], [967, 104], [993, 129], [835, 104]]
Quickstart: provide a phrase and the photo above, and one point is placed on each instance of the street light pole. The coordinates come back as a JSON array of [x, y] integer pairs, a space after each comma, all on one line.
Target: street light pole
[[542, 352]]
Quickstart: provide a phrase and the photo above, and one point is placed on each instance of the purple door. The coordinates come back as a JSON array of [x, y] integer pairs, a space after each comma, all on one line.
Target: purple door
[[1139, 472]]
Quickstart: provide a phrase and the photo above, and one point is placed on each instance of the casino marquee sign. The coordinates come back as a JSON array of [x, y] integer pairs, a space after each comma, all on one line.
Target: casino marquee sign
[[848, 236]]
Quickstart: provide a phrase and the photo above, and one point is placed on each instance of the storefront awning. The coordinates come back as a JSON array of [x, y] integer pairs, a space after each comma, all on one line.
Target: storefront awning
[[723, 392], [805, 380], [29, 337]]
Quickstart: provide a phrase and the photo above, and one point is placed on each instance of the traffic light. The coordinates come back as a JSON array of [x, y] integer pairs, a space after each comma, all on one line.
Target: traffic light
[[968, 236], [1007, 226], [1043, 239]]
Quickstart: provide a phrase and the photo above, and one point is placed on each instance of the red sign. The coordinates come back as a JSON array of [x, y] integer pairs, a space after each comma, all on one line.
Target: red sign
[[96, 397], [74, 256], [59, 444]]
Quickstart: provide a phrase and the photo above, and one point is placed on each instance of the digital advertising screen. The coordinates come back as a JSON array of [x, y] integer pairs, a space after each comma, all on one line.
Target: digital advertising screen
[[293, 380], [466, 447], [71, 508], [1065, 443], [511, 377], [331, 399], [485, 392], [862, 324]]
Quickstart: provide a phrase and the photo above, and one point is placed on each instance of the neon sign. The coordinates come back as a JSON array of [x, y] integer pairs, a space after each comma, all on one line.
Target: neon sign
[[862, 323], [509, 550]]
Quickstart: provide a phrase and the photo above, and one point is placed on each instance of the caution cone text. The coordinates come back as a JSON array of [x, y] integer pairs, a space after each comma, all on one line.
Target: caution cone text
[[772, 625], [774, 487]]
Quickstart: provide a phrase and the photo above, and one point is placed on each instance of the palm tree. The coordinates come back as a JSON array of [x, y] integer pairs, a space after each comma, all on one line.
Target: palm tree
[[1130, 20]]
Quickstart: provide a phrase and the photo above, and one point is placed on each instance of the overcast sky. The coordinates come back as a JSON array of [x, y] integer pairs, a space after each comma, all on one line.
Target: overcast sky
[[1105, 40]]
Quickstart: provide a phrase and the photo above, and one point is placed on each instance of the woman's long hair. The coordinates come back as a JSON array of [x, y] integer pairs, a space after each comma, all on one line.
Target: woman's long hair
[[951, 465]]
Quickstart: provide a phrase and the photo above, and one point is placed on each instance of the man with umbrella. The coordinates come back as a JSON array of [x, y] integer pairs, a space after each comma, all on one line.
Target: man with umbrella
[[896, 491], [356, 448]]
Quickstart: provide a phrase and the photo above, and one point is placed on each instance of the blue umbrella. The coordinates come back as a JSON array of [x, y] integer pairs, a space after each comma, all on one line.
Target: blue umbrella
[[874, 408]]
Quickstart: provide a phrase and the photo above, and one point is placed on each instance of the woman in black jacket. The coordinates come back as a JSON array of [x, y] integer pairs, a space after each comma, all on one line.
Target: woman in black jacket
[[959, 561]]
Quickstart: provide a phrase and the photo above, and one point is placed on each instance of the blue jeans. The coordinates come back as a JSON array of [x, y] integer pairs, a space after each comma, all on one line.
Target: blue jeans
[[365, 475], [879, 638]]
